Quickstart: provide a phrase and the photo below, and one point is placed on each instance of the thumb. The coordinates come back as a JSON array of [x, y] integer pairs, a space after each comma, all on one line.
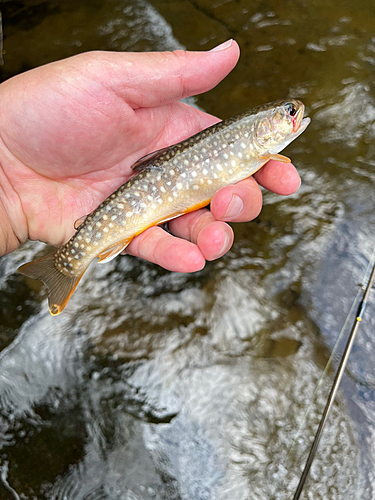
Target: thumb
[[156, 78]]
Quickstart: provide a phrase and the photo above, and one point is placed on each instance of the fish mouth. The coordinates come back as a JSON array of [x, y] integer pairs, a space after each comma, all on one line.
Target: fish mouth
[[300, 123], [297, 118], [303, 125]]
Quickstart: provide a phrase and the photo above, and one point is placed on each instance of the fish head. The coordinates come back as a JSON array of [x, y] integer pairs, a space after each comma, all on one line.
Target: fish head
[[279, 123]]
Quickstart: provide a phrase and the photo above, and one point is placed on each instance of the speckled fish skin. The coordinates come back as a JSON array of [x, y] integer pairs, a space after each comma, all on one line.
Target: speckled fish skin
[[169, 183]]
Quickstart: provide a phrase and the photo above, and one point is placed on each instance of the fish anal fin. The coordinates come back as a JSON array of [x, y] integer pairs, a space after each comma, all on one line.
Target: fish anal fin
[[111, 252], [60, 286], [276, 157], [79, 222]]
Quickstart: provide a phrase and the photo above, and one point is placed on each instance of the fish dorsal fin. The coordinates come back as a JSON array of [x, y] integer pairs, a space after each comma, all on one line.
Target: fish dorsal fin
[[79, 222], [111, 252], [147, 160]]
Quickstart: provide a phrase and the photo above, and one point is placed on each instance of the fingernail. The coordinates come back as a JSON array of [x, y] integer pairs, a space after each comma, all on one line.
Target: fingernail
[[225, 247], [222, 46], [234, 208]]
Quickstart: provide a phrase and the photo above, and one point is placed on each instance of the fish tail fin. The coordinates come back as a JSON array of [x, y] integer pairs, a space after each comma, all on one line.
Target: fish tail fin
[[59, 285]]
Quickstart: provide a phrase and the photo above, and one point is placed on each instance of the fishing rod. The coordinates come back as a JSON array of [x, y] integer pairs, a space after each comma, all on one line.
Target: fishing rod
[[336, 383]]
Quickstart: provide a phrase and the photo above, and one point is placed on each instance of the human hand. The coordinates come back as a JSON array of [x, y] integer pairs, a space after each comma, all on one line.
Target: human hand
[[70, 131]]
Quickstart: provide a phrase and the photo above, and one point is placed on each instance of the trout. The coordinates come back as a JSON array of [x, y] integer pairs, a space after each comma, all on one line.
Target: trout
[[166, 184]]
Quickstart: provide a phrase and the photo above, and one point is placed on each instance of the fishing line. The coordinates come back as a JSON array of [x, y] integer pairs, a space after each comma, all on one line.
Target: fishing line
[[338, 377], [335, 347], [366, 279]]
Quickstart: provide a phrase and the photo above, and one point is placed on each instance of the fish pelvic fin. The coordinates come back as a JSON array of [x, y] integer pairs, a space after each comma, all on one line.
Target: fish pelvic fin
[[60, 286], [112, 251]]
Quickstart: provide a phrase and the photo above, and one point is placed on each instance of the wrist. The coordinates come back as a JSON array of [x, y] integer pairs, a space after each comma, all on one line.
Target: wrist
[[12, 219], [8, 239]]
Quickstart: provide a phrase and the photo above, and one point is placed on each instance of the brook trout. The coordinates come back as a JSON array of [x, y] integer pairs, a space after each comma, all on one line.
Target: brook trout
[[166, 184]]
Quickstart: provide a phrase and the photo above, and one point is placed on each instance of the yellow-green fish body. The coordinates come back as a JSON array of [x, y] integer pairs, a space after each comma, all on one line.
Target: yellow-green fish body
[[166, 184]]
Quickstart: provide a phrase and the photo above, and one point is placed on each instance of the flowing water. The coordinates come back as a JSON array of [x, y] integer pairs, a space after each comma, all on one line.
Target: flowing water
[[159, 385]]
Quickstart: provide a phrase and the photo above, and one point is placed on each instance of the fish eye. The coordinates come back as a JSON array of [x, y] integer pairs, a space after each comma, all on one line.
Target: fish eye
[[290, 108]]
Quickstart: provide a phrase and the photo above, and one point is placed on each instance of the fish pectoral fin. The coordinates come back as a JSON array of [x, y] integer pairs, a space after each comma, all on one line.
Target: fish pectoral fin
[[276, 157], [111, 252], [79, 222]]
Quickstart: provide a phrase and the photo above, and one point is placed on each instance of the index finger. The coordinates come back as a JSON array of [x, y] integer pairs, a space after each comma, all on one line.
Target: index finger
[[280, 178]]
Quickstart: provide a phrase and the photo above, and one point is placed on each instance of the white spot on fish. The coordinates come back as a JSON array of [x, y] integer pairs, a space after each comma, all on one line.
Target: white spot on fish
[[72, 251], [171, 172], [233, 163], [106, 229], [179, 185], [239, 155], [170, 199], [243, 145], [219, 167], [162, 189], [105, 217], [129, 214], [195, 187], [204, 171], [76, 244], [225, 156]]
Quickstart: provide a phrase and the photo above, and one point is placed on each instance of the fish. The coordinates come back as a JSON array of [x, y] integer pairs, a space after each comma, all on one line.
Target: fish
[[166, 184]]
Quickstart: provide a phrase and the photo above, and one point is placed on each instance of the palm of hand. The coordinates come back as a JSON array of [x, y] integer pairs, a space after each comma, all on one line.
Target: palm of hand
[[74, 137]]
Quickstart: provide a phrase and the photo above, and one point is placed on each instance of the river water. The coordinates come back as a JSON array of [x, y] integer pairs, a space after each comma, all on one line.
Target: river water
[[159, 385]]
